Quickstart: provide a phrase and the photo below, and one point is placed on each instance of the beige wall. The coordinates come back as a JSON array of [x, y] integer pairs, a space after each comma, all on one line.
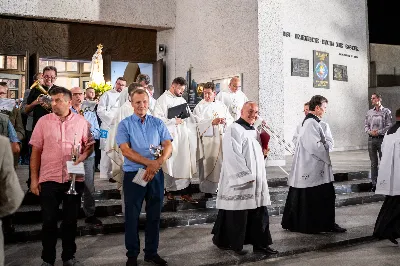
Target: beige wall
[[150, 14]]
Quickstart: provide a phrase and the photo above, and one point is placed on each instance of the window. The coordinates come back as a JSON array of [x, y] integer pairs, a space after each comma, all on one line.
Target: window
[[87, 67], [60, 65], [2, 59], [72, 66], [12, 62], [67, 82]]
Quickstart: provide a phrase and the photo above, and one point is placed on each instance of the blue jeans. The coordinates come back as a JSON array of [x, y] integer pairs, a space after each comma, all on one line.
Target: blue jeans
[[134, 195]]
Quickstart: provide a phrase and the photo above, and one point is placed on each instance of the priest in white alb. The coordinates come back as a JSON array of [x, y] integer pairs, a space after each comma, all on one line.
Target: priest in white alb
[[310, 204], [243, 194], [181, 166], [112, 148], [212, 118], [233, 98], [387, 224], [106, 110]]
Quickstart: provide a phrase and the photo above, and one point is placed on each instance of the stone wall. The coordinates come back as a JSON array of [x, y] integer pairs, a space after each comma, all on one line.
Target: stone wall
[[150, 14], [216, 38], [339, 21]]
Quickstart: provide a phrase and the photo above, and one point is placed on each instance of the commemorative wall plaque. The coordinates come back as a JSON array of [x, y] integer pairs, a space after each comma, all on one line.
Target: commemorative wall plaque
[[340, 73], [300, 67], [321, 70]]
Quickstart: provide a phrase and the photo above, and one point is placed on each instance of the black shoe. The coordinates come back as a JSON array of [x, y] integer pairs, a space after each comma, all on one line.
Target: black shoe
[[112, 180], [394, 241], [373, 188], [93, 220], [132, 261], [240, 252], [97, 170], [157, 260], [338, 229], [266, 251]]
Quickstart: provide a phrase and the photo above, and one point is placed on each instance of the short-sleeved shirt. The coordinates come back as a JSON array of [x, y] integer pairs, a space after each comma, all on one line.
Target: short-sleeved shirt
[[56, 138], [140, 136], [91, 117], [38, 111]]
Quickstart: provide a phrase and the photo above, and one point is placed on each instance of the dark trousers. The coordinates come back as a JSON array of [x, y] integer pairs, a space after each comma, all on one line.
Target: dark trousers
[[374, 149], [52, 194], [134, 195], [97, 153]]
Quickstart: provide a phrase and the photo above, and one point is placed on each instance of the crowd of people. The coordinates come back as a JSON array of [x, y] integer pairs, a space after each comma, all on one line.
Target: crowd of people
[[153, 148]]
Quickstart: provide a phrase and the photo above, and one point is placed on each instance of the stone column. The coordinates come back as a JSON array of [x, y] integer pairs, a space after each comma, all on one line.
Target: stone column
[[271, 80]]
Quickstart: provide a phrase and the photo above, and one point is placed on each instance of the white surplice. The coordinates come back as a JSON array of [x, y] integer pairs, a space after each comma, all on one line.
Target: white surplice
[[243, 182], [233, 100], [181, 166], [311, 161], [106, 110], [112, 149], [211, 141], [327, 132], [389, 168]]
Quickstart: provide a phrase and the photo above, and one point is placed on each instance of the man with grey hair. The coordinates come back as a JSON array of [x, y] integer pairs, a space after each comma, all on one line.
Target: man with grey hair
[[377, 122], [234, 98]]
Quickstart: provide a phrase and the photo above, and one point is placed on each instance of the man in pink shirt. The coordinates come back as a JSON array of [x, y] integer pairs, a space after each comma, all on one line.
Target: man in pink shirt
[[52, 142]]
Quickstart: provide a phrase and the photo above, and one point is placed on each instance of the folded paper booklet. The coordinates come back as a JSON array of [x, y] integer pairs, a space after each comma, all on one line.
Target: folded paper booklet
[[138, 179], [78, 169]]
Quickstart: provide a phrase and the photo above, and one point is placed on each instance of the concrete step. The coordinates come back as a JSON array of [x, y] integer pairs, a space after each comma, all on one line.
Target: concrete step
[[113, 224], [31, 199], [192, 245], [29, 214]]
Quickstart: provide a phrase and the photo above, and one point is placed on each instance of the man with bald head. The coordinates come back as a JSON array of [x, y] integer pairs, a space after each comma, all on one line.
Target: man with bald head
[[90, 115], [243, 193], [234, 98]]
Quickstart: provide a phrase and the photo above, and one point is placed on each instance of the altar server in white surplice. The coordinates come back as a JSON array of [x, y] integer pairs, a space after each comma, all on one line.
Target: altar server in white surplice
[[144, 81], [181, 166], [106, 110], [324, 125], [310, 204], [243, 194], [234, 98], [112, 149], [388, 222], [212, 119]]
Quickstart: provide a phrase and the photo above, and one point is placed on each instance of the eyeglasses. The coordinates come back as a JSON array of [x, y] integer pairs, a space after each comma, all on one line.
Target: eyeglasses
[[49, 77], [77, 94]]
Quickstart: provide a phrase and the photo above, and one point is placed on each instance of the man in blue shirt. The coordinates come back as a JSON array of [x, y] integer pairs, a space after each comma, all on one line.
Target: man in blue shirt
[[135, 134], [88, 200]]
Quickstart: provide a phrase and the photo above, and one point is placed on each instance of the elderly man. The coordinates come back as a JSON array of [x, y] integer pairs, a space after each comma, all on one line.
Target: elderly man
[[135, 135], [180, 168], [212, 119], [106, 109], [88, 200], [14, 114], [243, 194], [377, 122], [90, 94], [387, 224], [53, 140], [10, 190], [310, 204], [234, 98]]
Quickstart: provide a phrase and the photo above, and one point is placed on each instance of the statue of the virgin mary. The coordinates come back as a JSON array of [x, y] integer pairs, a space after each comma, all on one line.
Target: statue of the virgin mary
[[96, 73]]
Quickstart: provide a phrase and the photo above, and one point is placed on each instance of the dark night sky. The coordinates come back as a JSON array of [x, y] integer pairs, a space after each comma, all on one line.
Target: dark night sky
[[383, 22]]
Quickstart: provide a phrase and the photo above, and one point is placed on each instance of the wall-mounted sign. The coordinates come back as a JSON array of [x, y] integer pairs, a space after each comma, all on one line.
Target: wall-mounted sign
[[300, 67], [321, 70], [340, 73]]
